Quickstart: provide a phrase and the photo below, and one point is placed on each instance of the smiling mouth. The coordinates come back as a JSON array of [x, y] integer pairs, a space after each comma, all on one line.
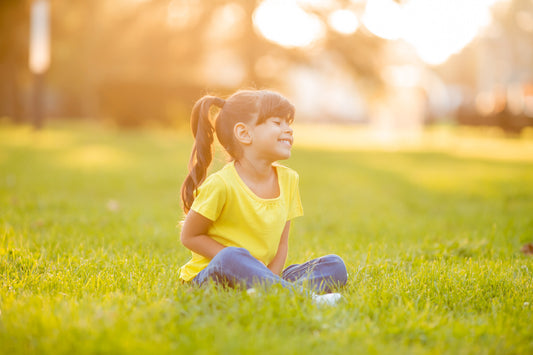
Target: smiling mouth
[[286, 141]]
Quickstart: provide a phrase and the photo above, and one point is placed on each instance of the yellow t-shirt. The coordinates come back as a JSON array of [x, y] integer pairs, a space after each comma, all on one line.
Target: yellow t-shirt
[[241, 218]]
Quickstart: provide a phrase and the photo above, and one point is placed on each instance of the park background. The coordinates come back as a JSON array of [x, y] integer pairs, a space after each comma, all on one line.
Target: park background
[[395, 66], [413, 141]]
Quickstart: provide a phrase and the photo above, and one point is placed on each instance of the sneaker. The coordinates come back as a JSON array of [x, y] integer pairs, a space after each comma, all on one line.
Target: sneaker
[[329, 299]]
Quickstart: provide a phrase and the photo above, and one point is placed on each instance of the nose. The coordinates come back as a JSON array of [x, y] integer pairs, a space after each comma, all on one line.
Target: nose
[[288, 129]]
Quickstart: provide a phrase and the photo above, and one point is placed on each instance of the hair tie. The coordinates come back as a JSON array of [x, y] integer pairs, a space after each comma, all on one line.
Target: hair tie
[[219, 102]]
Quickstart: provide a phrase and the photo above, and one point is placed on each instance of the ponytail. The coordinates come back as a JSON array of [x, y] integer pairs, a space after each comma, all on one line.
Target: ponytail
[[202, 150]]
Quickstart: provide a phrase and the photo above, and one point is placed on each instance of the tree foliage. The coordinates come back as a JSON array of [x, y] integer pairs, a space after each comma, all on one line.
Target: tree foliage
[[135, 60]]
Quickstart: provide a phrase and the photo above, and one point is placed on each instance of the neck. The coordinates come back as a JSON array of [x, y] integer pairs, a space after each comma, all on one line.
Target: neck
[[260, 177], [254, 168]]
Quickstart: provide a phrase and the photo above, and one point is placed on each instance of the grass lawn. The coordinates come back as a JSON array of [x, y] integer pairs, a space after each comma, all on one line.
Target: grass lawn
[[89, 250]]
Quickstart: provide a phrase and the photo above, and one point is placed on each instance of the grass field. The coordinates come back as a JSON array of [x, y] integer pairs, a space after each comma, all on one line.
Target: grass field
[[89, 250]]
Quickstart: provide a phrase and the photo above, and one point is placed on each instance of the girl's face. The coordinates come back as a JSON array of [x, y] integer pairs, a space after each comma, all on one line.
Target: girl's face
[[273, 139]]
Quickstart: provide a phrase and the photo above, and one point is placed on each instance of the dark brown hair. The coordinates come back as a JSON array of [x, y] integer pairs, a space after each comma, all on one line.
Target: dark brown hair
[[243, 106]]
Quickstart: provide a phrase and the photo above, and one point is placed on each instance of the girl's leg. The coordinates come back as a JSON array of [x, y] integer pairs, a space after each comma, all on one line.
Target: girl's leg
[[321, 275], [236, 267]]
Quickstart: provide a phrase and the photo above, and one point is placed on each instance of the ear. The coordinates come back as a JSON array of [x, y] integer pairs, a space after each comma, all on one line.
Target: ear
[[241, 132]]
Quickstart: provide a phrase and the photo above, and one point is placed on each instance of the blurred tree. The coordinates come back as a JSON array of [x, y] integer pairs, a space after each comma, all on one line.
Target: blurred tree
[[360, 52], [139, 60], [121, 59], [151, 59], [495, 70], [14, 23]]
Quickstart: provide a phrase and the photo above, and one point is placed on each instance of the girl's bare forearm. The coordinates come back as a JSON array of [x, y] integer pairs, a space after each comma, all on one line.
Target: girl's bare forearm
[[277, 264], [203, 245]]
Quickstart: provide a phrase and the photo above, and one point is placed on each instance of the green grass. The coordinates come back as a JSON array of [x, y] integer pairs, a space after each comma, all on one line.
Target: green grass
[[89, 251]]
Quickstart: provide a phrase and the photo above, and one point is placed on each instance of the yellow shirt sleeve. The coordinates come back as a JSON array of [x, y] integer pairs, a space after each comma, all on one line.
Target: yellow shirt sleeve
[[210, 198]]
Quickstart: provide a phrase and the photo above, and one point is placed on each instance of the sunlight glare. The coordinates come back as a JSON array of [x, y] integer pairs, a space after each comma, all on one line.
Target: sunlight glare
[[445, 27], [436, 29], [383, 18], [343, 21], [316, 4], [287, 24]]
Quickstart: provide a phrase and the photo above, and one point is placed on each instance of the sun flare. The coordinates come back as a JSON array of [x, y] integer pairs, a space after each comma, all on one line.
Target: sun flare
[[436, 29], [286, 23]]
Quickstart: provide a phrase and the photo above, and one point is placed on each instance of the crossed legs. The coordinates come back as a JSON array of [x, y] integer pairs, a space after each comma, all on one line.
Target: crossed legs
[[236, 267]]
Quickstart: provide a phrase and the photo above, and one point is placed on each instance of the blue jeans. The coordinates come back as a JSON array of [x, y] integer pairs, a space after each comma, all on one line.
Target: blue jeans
[[236, 267]]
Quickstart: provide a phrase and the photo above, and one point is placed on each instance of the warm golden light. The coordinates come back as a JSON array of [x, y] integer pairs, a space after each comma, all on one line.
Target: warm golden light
[[181, 13], [286, 23], [343, 21], [446, 27], [383, 18], [39, 53], [436, 29]]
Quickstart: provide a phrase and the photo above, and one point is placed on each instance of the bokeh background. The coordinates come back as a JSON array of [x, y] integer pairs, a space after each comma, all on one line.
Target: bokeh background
[[414, 144], [392, 66]]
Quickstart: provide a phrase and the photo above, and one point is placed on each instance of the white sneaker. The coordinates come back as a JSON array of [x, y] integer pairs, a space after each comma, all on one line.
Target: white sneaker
[[329, 299]]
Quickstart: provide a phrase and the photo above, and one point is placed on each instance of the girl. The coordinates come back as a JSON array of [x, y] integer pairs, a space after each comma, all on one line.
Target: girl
[[237, 220]]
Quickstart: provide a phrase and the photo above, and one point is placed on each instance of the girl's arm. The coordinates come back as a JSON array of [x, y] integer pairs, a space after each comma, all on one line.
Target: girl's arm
[[194, 235], [276, 265]]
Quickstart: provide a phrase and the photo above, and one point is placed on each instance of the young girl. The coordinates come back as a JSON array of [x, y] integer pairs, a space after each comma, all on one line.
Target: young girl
[[237, 219]]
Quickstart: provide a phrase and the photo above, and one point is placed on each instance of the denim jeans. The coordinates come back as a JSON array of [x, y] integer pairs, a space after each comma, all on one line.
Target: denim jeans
[[236, 267]]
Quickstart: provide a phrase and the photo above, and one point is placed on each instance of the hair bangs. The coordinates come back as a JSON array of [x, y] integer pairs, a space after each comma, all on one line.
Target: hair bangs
[[275, 105]]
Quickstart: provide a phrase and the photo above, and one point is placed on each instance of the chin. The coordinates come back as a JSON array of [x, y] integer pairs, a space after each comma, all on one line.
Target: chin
[[283, 154], [286, 156]]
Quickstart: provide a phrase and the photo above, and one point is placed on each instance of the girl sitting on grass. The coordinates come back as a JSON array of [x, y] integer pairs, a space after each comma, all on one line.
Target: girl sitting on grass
[[238, 219]]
